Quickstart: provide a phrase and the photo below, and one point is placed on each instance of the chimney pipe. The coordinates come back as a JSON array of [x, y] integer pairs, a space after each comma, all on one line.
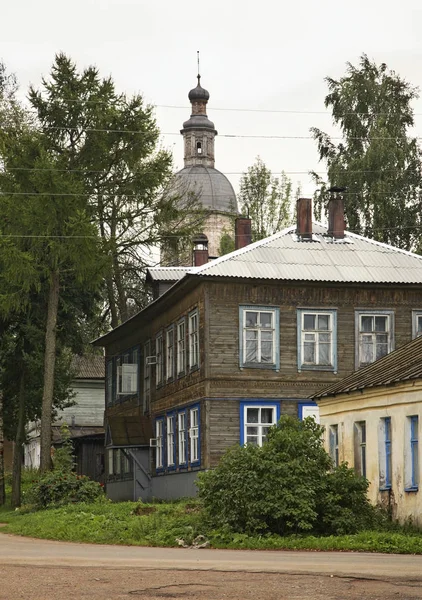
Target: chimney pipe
[[304, 218], [336, 223], [200, 250], [243, 232]]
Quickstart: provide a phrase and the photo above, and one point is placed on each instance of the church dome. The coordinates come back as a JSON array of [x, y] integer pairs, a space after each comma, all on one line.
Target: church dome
[[214, 190], [198, 93]]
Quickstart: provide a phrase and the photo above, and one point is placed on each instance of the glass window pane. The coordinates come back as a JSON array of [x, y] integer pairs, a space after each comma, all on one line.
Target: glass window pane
[[366, 323], [309, 352], [381, 350], [252, 431], [324, 354], [266, 319], [324, 322], [251, 335], [266, 352], [264, 432], [251, 319], [252, 415], [419, 325], [252, 440], [267, 336], [324, 338], [267, 415], [308, 322], [251, 351], [380, 323]]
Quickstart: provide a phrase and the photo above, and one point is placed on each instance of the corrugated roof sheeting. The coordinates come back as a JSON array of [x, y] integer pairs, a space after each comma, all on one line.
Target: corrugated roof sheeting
[[168, 273], [88, 367], [284, 256], [401, 365]]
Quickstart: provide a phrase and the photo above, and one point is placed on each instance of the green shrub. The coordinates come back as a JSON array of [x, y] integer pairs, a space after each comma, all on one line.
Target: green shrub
[[287, 486], [60, 487]]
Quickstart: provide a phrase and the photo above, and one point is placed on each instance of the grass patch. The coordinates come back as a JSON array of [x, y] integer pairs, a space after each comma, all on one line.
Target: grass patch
[[162, 524]]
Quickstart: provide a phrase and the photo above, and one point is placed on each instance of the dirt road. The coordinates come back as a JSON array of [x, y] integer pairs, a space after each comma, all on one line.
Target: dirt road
[[43, 570]]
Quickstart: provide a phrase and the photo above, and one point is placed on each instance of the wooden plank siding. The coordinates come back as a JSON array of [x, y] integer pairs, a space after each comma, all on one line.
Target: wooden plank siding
[[220, 384]]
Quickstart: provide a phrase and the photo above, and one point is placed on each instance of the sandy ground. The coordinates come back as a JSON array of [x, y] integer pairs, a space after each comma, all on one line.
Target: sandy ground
[[59, 583]]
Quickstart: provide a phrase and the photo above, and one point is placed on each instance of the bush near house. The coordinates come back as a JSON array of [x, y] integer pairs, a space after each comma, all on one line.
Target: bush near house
[[286, 486]]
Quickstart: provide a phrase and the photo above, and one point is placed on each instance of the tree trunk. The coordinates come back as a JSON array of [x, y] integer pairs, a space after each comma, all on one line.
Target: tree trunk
[[49, 366], [112, 301], [2, 488], [18, 446]]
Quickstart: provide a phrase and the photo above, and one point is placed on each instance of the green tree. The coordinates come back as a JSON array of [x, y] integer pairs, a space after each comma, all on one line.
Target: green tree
[[266, 199], [110, 143], [286, 486], [377, 160]]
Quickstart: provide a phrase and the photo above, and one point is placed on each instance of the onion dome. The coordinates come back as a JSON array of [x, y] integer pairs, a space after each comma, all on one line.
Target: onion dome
[[199, 93]]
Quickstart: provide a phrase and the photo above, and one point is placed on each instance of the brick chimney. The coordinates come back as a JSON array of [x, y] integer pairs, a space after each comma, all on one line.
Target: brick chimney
[[304, 218], [336, 222], [200, 250], [243, 232]]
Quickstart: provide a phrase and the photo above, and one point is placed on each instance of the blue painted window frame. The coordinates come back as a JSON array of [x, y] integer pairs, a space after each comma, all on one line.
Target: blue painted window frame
[[256, 308], [160, 469], [388, 456], [194, 463], [301, 406], [171, 466], [184, 464], [317, 311], [256, 403], [414, 451]]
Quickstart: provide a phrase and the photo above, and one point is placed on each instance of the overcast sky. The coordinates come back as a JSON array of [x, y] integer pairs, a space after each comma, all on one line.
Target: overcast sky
[[268, 55]]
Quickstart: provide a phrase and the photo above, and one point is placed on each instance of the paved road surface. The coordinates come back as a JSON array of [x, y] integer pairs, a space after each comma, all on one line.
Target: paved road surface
[[44, 570], [26, 551]]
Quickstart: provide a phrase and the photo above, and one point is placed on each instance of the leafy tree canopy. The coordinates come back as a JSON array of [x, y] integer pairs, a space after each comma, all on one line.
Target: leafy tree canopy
[[377, 159]]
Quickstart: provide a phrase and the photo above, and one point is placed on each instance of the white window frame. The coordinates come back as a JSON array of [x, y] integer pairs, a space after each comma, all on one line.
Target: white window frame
[[181, 347], [147, 376], [302, 333], [416, 315], [171, 443], [170, 353], [194, 435], [182, 438], [159, 449], [275, 329], [159, 356], [193, 339], [127, 373], [390, 333], [259, 424]]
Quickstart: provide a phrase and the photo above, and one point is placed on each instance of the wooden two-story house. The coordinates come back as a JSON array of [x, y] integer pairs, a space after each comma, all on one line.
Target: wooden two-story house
[[229, 345]]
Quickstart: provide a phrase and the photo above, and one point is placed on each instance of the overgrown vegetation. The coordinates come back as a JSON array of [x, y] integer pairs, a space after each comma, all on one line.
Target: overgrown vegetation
[[140, 524], [286, 486]]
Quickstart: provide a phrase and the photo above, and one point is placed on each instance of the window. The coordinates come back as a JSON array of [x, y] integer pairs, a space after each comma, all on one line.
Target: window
[[170, 353], [159, 369], [385, 454], [110, 395], [259, 335], [126, 467], [181, 347], [255, 421], [412, 454], [416, 323], [317, 339], [147, 376], [171, 447], [333, 444], [193, 340], [194, 435], [360, 447], [110, 458], [117, 462], [198, 147], [181, 432], [374, 336], [159, 435], [127, 373], [308, 409]]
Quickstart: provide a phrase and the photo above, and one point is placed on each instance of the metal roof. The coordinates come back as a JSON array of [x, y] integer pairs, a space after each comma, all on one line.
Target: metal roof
[[284, 256], [167, 273], [401, 365], [88, 367], [212, 187]]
